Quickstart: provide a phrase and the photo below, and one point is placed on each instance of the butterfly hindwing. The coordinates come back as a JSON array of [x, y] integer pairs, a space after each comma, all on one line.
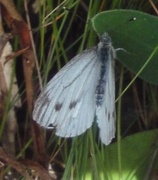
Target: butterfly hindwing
[[106, 113]]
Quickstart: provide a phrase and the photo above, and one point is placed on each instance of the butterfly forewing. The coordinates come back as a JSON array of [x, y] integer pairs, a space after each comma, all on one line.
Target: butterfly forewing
[[67, 103], [53, 89]]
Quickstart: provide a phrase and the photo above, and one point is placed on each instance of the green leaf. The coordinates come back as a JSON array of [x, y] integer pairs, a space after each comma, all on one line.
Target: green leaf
[[136, 33], [138, 152]]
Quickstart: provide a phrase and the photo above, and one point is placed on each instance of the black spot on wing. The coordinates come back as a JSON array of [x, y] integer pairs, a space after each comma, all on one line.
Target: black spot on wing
[[44, 100], [109, 116], [58, 106], [72, 105]]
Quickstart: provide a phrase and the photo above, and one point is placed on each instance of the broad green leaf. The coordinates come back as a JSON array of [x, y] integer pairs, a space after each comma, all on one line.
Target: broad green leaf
[[138, 152], [137, 34]]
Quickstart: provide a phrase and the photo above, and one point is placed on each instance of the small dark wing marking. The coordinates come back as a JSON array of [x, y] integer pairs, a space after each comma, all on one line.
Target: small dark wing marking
[[44, 100], [41, 103], [58, 106], [109, 116], [72, 104]]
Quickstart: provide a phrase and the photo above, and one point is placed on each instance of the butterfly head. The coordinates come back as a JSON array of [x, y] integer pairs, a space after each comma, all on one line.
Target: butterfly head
[[105, 39]]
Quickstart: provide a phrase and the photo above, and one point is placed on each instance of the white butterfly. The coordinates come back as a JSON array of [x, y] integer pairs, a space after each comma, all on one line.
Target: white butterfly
[[82, 91]]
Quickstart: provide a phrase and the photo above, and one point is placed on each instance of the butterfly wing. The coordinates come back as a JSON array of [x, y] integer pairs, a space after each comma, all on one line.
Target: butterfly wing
[[67, 103], [106, 113]]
